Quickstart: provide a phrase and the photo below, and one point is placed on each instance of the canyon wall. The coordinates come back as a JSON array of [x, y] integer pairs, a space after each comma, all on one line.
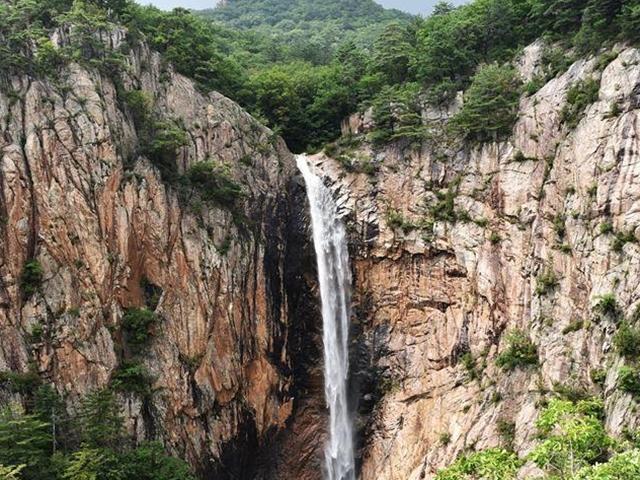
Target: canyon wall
[[82, 201], [456, 245]]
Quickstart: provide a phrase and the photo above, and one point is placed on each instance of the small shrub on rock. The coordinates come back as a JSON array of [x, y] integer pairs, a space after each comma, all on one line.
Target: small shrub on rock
[[629, 380], [546, 282], [132, 377], [520, 352], [627, 341], [215, 183], [24, 383], [606, 228], [139, 104], [621, 239], [494, 463], [579, 97], [598, 376], [607, 306], [167, 138], [31, 278], [445, 438], [137, 324]]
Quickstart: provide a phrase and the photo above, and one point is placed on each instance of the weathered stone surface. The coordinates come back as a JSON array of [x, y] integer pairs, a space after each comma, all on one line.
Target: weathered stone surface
[[77, 196], [237, 382], [425, 295]]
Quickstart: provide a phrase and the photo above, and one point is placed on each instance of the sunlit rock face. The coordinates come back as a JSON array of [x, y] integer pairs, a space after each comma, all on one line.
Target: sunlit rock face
[[447, 243], [429, 290], [79, 196]]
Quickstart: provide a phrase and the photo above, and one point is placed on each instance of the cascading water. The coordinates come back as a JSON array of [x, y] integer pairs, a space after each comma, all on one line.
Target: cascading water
[[334, 276]]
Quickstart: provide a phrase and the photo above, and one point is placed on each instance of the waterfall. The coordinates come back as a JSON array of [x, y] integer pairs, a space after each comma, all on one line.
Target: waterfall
[[334, 276]]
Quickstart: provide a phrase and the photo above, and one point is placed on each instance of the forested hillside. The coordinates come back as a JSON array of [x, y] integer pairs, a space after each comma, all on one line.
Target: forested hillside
[[295, 48], [305, 97], [316, 24], [304, 90]]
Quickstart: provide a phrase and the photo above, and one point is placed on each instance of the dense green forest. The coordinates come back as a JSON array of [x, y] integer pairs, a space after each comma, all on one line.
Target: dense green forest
[[303, 91], [410, 60], [305, 29], [45, 442], [303, 78]]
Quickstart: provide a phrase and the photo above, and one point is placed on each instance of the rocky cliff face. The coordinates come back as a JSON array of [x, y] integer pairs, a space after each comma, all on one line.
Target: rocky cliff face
[[456, 245], [80, 200], [453, 246]]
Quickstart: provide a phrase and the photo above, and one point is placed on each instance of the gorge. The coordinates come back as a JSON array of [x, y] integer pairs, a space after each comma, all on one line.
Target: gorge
[[445, 287]]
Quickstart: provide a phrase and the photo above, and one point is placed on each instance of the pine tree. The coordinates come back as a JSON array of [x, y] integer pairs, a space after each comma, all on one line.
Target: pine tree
[[25, 440], [10, 473], [491, 104], [101, 423], [50, 408]]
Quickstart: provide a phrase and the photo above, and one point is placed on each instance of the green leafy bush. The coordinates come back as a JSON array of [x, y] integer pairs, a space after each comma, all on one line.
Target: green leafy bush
[[573, 436], [598, 376], [607, 306], [573, 445], [31, 278], [132, 377], [621, 239], [357, 164], [166, 138], [520, 157], [444, 208], [215, 183], [534, 85], [495, 238], [396, 220], [622, 466], [491, 104], [546, 282], [136, 325], [629, 380], [24, 383], [520, 352], [151, 293], [627, 341], [469, 364], [606, 228], [36, 333], [445, 438], [559, 225], [507, 431], [574, 326], [579, 97], [139, 104], [494, 463]]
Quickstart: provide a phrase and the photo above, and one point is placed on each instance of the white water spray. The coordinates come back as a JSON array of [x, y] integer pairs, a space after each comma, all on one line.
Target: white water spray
[[334, 276]]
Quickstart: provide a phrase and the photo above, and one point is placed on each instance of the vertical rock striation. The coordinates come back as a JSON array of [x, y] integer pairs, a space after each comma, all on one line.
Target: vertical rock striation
[[455, 246], [80, 198]]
